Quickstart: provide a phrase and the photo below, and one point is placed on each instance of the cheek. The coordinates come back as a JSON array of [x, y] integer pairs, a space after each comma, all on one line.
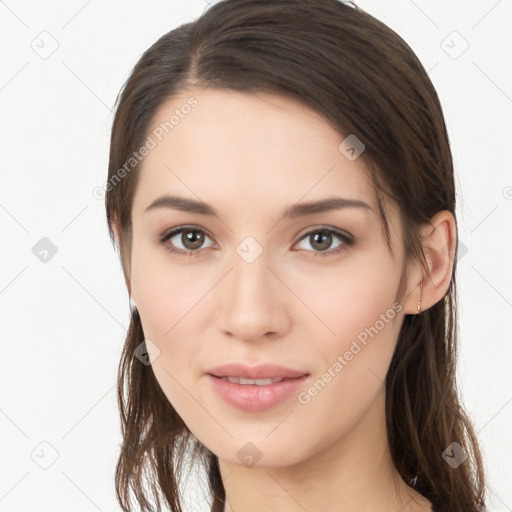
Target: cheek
[[168, 301], [162, 292], [347, 299], [353, 328]]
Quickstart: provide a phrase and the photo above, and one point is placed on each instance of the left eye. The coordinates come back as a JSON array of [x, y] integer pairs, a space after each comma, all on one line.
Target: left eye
[[321, 239], [192, 239]]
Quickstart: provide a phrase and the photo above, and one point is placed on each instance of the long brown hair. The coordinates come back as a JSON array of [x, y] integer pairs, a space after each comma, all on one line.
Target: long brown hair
[[365, 80]]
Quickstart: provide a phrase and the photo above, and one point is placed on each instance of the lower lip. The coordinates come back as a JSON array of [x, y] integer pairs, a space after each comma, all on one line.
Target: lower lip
[[255, 398]]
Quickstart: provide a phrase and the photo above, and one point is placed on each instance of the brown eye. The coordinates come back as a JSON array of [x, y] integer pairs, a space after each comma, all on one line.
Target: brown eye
[[321, 240], [184, 240], [192, 239]]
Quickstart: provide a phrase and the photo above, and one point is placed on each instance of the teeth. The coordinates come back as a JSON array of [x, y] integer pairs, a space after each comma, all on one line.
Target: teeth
[[257, 382]]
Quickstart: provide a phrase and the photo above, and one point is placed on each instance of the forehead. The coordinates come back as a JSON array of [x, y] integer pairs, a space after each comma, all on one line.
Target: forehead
[[240, 147]]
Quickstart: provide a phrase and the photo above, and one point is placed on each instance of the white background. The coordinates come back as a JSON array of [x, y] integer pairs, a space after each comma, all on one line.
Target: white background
[[63, 322]]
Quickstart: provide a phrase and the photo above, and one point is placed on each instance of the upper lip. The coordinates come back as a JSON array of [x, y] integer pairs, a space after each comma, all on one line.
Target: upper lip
[[260, 371]]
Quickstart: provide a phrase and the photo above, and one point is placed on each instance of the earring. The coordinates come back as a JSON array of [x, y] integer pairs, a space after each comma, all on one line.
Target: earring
[[419, 300], [132, 305]]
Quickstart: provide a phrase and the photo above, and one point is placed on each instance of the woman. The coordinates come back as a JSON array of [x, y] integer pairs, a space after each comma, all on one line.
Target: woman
[[281, 192]]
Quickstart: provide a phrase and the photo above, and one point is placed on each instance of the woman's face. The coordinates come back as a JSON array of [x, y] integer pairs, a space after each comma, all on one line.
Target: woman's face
[[259, 286]]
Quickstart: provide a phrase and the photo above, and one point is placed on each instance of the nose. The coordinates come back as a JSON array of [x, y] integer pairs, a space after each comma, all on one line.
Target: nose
[[253, 301]]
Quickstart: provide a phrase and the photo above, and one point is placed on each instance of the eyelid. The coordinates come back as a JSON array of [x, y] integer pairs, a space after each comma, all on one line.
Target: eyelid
[[324, 227], [177, 229]]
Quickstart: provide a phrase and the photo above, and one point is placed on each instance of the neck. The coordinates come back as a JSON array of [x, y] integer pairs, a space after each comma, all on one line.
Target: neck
[[353, 474]]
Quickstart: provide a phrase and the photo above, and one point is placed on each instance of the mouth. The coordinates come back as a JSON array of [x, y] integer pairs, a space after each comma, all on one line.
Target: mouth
[[254, 382], [256, 395], [260, 375]]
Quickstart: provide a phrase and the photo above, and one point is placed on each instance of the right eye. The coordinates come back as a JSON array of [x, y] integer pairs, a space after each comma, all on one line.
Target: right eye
[[190, 238]]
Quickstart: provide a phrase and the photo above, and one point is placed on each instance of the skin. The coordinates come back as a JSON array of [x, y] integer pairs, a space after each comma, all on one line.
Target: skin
[[251, 157]]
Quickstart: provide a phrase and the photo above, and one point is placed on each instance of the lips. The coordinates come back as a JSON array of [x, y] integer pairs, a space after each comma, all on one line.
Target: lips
[[256, 397], [261, 372]]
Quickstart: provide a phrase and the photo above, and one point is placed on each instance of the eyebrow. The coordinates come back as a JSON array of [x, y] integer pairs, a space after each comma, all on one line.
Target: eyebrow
[[297, 210]]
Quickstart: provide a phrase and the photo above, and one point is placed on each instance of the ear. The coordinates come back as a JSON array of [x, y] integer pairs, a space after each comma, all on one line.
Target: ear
[[439, 240]]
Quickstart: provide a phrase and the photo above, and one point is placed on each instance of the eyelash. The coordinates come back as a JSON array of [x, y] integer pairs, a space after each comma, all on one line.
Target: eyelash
[[347, 241]]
